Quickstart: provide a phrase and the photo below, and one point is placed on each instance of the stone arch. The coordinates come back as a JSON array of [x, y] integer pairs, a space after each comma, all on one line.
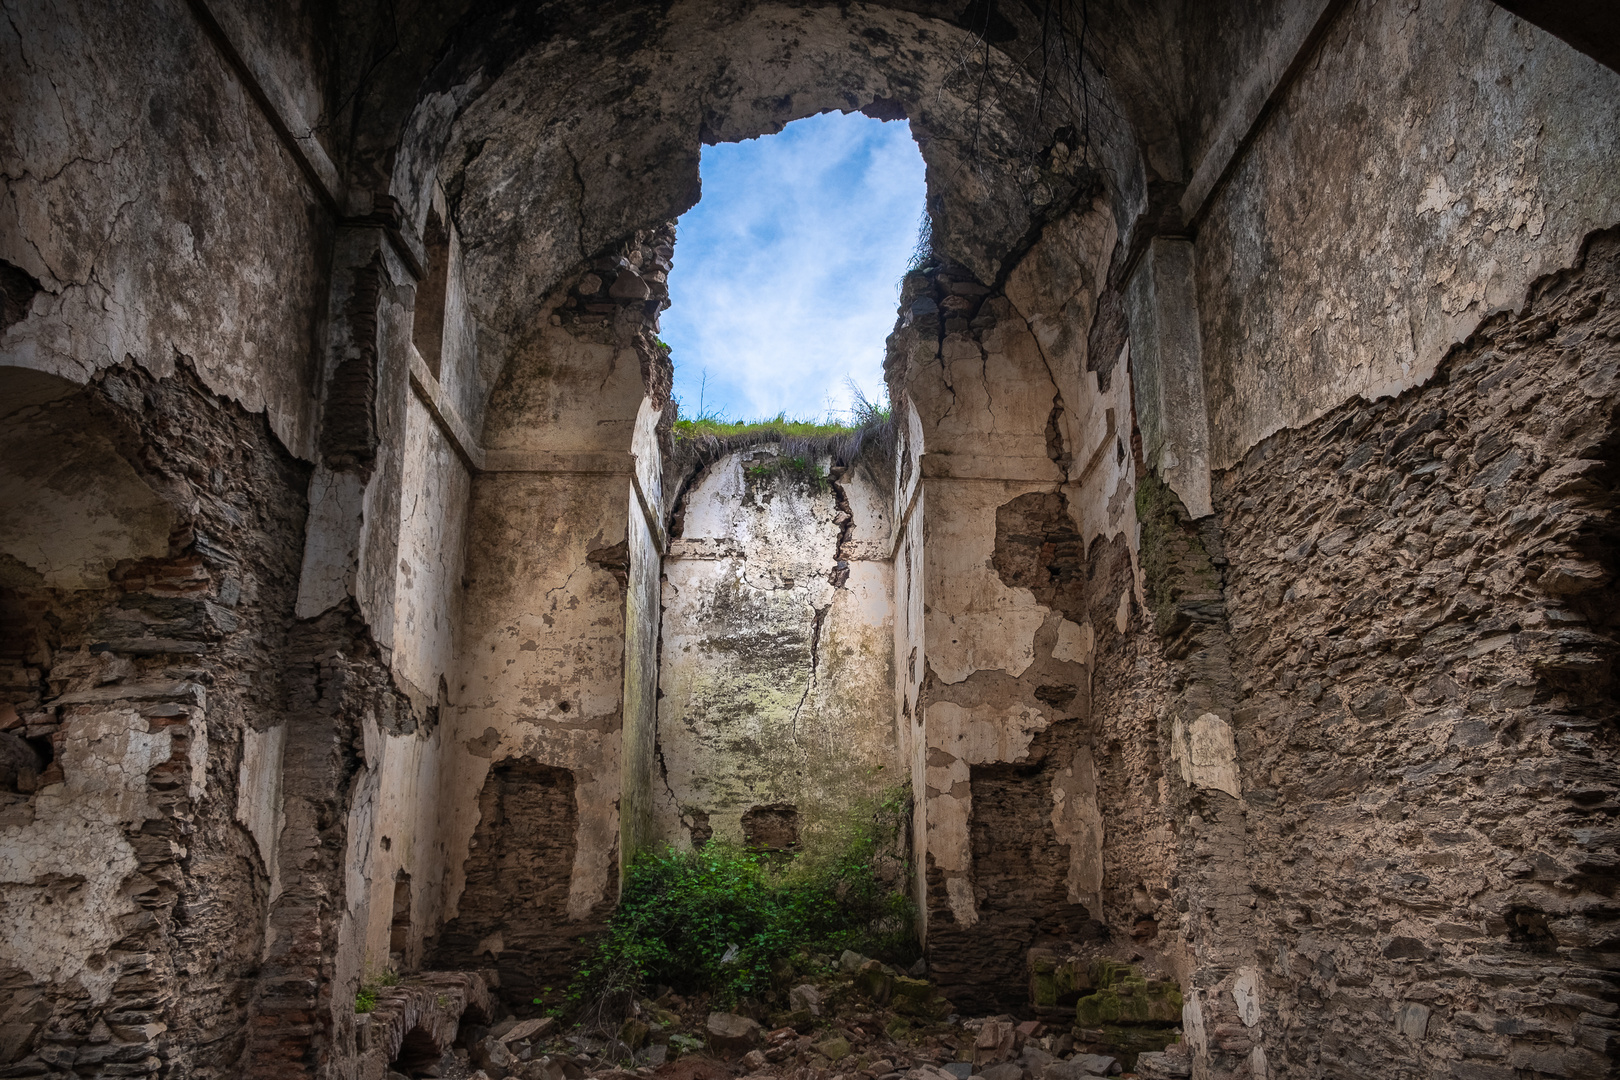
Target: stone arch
[[559, 154]]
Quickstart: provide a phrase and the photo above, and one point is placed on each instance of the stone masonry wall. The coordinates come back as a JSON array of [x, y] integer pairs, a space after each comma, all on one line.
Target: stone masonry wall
[[1421, 598], [514, 909], [133, 888], [1427, 165]]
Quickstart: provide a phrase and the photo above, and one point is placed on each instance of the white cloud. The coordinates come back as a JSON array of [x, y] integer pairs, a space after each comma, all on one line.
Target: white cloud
[[785, 273]]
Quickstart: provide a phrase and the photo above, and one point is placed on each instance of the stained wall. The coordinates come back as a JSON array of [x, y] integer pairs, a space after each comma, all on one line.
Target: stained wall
[[777, 653]]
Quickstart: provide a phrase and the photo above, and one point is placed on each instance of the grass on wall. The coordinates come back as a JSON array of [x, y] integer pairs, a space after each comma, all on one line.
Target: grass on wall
[[779, 426]]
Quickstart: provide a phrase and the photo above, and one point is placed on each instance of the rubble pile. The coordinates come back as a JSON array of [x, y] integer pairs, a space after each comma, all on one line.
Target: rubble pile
[[860, 1019]]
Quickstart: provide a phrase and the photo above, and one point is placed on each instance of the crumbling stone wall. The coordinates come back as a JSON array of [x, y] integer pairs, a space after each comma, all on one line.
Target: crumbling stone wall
[[514, 909], [776, 652], [1019, 468], [1342, 259], [127, 135], [436, 320], [564, 538], [1420, 600], [134, 889]]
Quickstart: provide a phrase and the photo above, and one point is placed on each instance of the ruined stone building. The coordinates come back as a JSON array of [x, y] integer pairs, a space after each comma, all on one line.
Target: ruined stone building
[[1235, 588]]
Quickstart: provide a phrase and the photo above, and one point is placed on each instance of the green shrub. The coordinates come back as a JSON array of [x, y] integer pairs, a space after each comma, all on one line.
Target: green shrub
[[732, 923]]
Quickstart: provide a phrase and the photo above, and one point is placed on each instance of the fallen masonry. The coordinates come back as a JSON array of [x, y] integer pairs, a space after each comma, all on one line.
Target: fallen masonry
[[863, 1021]]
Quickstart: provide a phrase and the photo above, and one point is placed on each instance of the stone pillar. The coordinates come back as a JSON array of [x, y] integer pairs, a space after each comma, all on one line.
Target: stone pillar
[[1167, 370]]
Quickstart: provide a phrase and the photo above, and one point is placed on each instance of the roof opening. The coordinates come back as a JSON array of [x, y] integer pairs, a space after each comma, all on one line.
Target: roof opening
[[783, 291]]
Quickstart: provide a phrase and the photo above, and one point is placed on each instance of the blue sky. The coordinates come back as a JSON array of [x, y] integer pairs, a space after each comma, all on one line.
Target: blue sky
[[785, 274]]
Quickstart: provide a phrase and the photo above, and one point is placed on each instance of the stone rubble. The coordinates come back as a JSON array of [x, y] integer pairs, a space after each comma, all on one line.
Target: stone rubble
[[858, 1034]]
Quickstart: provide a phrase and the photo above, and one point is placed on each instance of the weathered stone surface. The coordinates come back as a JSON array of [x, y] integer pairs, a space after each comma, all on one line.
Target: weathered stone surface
[[1420, 239], [730, 1033], [806, 997], [333, 515], [778, 637]]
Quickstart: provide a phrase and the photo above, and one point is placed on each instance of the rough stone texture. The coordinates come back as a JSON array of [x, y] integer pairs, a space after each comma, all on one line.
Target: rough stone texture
[[1019, 469], [513, 911], [416, 1021], [125, 131], [1336, 757], [1441, 567], [564, 541], [134, 904], [777, 651]]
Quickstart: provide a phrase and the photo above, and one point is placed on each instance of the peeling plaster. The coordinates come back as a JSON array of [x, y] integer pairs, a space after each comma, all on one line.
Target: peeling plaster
[[1207, 754]]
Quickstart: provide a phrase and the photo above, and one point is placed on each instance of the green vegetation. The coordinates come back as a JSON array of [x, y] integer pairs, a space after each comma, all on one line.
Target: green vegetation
[[712, 423], [366, 1000], [799, 469], [734, 923], [777, 426]]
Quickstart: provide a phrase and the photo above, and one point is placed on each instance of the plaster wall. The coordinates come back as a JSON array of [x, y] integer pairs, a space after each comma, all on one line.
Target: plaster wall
[[777, 651], [395, 822], [643, 625], [1024, 465], [432, 550], [909, 601], [127, 142], [541, 671], [134, 878], [1366, 231], [558, 626]]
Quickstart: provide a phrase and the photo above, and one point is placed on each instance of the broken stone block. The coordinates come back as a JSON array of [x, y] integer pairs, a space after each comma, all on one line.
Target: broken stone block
[[545, 1068], [1055, 982], [1034, 1059], [1162, 1066], [629, 286], [911, 997], [850, 960], [873, 983], [1126, 997], [996, 1042], [730, 1033], [754, 1061], [1066, 1070], [491, 1055], [959, 1069], [1412, 1020], [833, 1049], [1005, 1071], [806, 997], [633, 1033], [538, 1028]]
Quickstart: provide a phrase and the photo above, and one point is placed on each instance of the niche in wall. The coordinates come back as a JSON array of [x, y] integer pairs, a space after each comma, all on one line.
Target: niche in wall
[[432, 293], [513, 912]]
